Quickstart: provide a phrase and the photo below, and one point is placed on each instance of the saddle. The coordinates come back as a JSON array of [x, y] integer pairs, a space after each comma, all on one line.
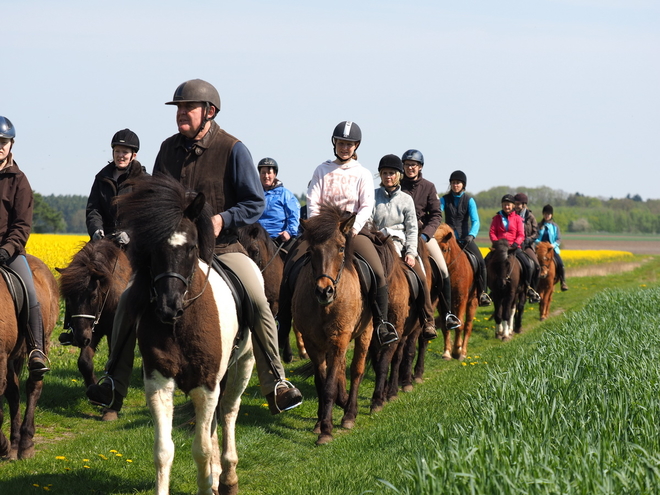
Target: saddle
[[18, 293], [244, 306]]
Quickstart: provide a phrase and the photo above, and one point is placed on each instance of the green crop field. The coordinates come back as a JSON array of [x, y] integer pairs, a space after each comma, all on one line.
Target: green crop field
[[568, 406]]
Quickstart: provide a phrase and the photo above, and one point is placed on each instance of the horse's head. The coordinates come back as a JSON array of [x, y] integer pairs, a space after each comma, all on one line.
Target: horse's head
[[501, 262], [444, 236], [86, 286], [545, 254], [329, 235]]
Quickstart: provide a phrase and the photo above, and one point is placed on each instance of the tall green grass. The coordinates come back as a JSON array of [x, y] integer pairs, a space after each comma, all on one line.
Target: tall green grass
[[579, 415]]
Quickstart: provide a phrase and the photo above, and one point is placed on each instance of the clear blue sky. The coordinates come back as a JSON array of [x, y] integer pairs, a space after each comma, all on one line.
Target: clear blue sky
[[562, 93]]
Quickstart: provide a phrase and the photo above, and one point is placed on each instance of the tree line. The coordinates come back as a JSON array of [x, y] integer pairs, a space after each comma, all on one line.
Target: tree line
[[573, 212]]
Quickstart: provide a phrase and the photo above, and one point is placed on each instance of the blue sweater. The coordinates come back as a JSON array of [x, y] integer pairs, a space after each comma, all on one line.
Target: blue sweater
[[282, 212]]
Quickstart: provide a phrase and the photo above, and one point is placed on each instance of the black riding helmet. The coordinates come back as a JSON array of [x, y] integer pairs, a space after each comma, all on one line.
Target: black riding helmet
[[347, 131], [459, 175], [508, 198], [268, 162], [391, 161], [197, 91], [127, 138], [7, 129], [414, 155]]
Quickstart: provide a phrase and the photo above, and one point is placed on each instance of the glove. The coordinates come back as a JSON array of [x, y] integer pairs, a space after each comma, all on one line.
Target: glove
[[122, 238], [469, 239], [98, 235], [4, 256], [514, 245], [425, 237]]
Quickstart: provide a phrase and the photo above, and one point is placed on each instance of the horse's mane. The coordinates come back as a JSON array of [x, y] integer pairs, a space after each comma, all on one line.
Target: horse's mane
[[323, 227], [500, 251], [152, 211], [94, 259]]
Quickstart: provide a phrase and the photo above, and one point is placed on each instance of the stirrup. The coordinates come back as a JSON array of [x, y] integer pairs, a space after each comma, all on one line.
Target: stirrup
[[485, 300], [288, 386], [389, 335], [453, 325], [37, 374], [112, 389]]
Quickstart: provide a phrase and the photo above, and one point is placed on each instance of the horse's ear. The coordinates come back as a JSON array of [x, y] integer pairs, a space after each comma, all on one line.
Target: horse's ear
[[59, 270], [446, 237], [195, 207], [347, 225]]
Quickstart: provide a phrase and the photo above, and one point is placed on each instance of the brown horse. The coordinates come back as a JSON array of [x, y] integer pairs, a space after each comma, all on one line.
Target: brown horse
[[329, 311], [507, 289], [91, 286], [13, 352], [187, 327], [263, 251], [463, 293], [545, 252], [397, 357]]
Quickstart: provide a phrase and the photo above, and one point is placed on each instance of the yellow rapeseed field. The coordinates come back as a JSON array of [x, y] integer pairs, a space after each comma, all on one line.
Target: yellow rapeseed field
[[56, 250]]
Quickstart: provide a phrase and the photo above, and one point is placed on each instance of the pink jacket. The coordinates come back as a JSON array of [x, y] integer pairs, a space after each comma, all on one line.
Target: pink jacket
[[515, 232]]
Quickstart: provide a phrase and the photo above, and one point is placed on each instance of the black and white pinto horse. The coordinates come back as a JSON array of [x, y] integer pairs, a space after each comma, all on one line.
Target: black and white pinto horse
[[187, 328]]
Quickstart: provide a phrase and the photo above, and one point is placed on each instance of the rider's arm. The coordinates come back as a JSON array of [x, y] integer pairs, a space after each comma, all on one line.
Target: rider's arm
[[474, 218], [250, 201]]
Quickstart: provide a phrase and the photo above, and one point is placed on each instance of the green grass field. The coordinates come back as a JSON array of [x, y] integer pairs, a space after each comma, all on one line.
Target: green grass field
[[569, 406]]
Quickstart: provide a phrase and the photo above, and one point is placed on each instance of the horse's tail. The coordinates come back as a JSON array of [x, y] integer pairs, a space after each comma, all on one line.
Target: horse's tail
[[306, 371]]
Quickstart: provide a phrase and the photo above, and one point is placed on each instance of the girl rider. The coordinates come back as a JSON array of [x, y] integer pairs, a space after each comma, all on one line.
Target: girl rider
[[394, 215], [549, 232], [16, 201], [461, 214]]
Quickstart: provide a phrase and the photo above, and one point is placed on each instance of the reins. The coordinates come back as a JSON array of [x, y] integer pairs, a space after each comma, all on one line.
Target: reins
[[277, 252], [335, 281]]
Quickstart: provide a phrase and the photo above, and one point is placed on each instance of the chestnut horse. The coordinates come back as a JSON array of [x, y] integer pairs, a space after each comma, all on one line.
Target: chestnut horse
[[187, 327], [13, 352], [507, 289], [329, 311], [545, 252], [403, 313], [463, 293], [263, 251], [91, 286]]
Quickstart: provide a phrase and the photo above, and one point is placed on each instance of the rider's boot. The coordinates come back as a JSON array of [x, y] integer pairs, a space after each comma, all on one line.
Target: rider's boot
[[484, 298], [37, 359], [385, 331], [451, 320]]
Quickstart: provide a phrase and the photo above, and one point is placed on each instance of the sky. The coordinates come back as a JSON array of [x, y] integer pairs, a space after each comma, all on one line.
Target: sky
[[520, 93]]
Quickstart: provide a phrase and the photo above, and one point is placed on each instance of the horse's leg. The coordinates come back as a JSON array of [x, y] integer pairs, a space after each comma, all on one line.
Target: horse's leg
[[205, 402], [378, 359], [395, 365], [4, 443], [421, 357], [327, 396], [86, 365], [159, 392], [470, 309], [230, 403], [408, 357], [300, 343], [33, 392], [12, 394], [357, 373], [520, 309]]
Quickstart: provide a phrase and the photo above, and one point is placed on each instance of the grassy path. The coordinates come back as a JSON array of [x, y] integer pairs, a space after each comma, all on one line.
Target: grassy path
[[79, 454]]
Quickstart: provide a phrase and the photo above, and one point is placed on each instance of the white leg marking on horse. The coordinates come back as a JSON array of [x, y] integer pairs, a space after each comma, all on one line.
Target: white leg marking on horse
[[159, 393], [205, 402], [177, 239]]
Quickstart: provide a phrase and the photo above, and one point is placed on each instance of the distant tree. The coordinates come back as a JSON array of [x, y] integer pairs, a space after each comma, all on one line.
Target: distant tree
[[44, 218], [579, 225], [70, 206]]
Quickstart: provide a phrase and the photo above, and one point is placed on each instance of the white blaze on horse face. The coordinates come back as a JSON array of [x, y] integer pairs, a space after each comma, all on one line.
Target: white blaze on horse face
[[178, 239]]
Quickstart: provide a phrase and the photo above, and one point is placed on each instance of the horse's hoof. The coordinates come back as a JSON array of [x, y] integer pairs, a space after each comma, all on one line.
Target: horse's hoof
[[376, 409], [26, 454], [407, 388], [392, 398], [110, 415], [317, 429], [324, 439], [348, 424], [419, 379], [446, 356], [460, 357], [228, 489], [304, 355], [543, 318]]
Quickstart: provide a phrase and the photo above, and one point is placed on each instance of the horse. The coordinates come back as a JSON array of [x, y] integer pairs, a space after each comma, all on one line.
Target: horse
[[263, 251], [463, 294], [403, 314], [329, 311], [13, 352], [187, 327], [545, 252], [90, 286], [507, 289]]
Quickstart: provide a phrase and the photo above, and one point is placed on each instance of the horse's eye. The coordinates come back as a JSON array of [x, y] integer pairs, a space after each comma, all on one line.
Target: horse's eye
[[342, 249]]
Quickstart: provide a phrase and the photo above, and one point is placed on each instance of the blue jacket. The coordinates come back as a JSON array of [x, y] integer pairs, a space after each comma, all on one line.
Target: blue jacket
[[549, 232], [282, 212]]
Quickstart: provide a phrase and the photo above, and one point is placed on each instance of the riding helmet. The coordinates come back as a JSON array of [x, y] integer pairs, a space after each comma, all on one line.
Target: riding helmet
[[521, 198], [196, 90], [548, 209], [391, 161], [347, 131], [127, 138], [7, 129], [268, 162], [414, 155], [508, 198], [459, 175]]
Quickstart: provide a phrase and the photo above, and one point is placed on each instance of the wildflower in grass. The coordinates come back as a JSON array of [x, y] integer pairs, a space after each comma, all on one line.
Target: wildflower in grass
[[103, 457], [35, 485], [464, 364], [60, 458], [87, 467], [118, 455], [129, 460], [113, 451], [47, 488], [85, 460]]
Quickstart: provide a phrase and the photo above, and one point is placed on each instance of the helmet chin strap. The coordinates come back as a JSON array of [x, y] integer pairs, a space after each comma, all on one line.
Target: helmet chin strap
[[334, 149], [205, 119]]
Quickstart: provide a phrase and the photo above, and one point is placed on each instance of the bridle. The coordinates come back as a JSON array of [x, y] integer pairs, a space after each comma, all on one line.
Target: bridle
[[335, 281], [186, 284]]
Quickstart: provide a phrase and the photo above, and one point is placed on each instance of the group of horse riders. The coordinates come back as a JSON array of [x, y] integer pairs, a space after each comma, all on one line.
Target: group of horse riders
[[206, 159]]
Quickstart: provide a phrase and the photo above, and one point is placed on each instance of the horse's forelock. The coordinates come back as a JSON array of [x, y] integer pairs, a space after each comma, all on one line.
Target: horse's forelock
[[93, 258]]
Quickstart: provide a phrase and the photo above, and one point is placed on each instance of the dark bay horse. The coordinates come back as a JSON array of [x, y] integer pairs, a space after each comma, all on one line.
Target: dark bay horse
[[548, 277], [263, 251], [396, 358], [507, 289], [329, 311], [91, 286], [463, 293], [187, 328], [13, 352]]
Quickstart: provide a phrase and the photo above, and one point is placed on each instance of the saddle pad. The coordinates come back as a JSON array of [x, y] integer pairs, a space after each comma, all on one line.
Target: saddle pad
[[18, 292], [244, 307]]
